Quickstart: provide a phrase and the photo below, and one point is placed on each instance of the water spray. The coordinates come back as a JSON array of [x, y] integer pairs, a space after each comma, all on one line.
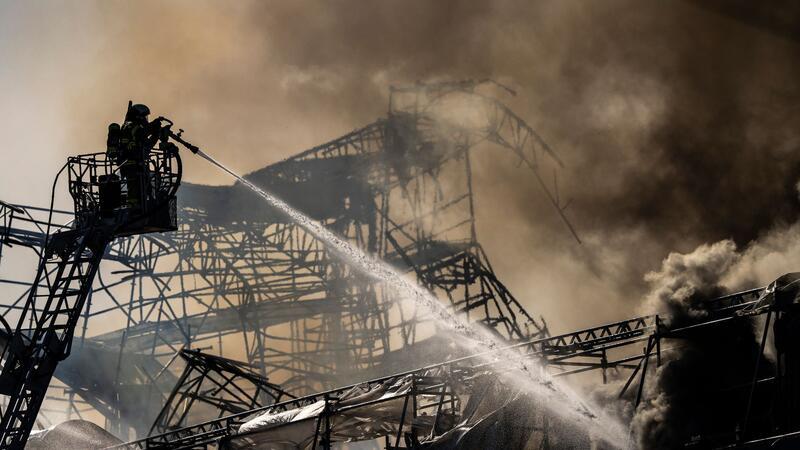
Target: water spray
[[530, 375]]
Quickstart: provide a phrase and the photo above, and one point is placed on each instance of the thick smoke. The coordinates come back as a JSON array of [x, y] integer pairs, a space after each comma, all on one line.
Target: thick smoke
[[683, 399], [698, 390], [776, 253], [677, 121], [680, 288], [680, 128]]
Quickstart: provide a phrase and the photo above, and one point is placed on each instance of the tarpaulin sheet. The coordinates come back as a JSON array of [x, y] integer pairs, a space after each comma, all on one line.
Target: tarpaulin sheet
[[364, 412], [71, 435], [493, 417]]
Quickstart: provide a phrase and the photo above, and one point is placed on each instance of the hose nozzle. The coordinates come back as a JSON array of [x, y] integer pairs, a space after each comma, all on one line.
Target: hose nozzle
[[177, 137]]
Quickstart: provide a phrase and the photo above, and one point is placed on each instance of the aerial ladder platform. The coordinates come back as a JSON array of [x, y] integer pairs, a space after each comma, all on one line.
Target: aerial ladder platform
[[110, 202]]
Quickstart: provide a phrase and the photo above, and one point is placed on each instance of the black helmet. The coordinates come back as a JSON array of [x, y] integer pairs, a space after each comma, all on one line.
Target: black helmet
[[137, 111]]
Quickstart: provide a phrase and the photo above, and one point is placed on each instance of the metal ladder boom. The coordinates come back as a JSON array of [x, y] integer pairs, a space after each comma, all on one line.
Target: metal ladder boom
[[54, 304]]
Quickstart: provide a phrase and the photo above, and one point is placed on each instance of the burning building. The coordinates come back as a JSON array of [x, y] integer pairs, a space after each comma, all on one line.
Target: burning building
[[238, 326]]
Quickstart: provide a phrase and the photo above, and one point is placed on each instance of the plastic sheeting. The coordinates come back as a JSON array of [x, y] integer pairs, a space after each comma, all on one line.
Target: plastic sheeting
[[71, 435], [493, 417], [509, 426], [363, 413]]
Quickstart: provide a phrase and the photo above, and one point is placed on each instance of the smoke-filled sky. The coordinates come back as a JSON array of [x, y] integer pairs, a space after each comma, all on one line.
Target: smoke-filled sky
[[678, 121]]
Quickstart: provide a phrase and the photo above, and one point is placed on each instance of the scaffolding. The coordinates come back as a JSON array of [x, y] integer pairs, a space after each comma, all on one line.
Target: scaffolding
[[239, 280], [428, 406]]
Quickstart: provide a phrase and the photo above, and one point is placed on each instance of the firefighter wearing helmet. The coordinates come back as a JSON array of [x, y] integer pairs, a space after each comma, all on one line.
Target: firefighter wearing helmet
[[129, 147]]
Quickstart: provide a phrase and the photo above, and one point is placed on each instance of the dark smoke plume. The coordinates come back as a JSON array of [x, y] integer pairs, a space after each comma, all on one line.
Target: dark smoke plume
[[677, 121], [700, 393], [683, 400]]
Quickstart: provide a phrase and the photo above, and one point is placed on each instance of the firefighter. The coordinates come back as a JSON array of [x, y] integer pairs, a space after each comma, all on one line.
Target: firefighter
[[129, 148]]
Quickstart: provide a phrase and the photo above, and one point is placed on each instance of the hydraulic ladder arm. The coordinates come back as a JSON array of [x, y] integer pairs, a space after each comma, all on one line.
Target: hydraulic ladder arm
[[68, 264]]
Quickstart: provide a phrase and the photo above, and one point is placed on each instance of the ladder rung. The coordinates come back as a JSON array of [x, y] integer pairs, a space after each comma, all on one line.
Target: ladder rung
[[76, 277]]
